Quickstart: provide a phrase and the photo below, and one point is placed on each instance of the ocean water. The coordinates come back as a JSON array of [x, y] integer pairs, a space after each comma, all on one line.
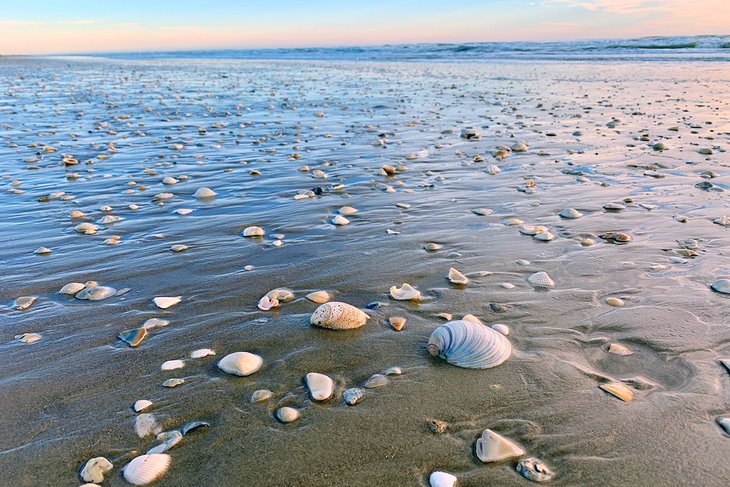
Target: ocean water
[[696, 48]]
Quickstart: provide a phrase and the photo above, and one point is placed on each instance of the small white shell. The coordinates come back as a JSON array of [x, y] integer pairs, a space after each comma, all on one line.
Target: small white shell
[[405, 293], [376, 380], [261, 395], [493, 447], [240, 363], [43, 251], [154, 323], [86, 228], [146, 468], [353, 396], [141, 405], [201, 352], [347, 210], [287, 414], [721, 286], [321, 387], [164, 302], [339, 220], [253, 232], [184, 211], [71, 288], [204, 192], [319, 297], [338, 316], [172, 365], [442, 479], [544, 236], [503, 329], [570, 213], [178, 247], [541, 279], [265, 303], [457, 277], [96, 293], [469, 345], [94, 469]]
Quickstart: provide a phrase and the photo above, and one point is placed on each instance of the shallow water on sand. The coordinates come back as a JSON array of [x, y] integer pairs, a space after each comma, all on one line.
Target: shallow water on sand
[[67, 397]]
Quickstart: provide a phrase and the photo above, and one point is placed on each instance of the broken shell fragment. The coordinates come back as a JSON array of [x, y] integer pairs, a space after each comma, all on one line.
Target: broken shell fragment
[[338, 316], [436, 426], [405, 293], [457, 277], [493, 447], [201, 353], [397, 322], [96, 293], [240, 363], [164, 302], [535, 470], [94, 470], [619, 390], [133, 337], [619, 349], [24, 302]]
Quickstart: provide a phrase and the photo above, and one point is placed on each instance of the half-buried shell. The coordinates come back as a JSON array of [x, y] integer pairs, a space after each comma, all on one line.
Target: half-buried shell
[[469, 345]]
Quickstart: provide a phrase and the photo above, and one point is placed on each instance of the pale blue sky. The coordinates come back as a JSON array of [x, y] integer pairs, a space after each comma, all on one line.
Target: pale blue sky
[[49, 26]]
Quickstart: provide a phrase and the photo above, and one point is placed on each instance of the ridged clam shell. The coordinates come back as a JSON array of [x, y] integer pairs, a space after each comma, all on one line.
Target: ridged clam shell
[[541, 279], [96, 293], [469, 345], [338, 316], [405, 293], [240, 363], [146, 468], [141, 405]]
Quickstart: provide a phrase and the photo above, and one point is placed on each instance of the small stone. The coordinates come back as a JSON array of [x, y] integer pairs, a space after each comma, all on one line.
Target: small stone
[[500, 328], [617, 302], [432, 247], [436, 426], [376, 380], [353, 396], [321, 387], [493, 447], [261, 395], [287, 414]]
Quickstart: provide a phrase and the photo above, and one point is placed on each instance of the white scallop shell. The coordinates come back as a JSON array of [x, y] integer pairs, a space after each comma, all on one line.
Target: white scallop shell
[[141, 405], [541, 279], [338, 316], [146, 468], [469, 345], [165, 302], [240, 363], [405, 293]]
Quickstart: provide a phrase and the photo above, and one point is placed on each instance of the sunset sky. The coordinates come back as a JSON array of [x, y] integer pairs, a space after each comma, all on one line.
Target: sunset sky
[[78, 26]]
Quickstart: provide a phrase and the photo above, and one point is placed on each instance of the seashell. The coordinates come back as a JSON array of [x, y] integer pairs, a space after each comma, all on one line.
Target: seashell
[[541, 279], [499, 327], [619, 349], [507, 285], [94, 469], [171, 439], [96, 293], [442, 479], [353, 396], [469, 345], [397, 322], [522, 262], [43, 251], [436, 426], [721, 286], [108, 219], [376, 380], [76, 214], [202, 193], [170, 383], [619, 390], [405, 293], [519, 147], [145, 425], [184, 211], [612, 301], [617, 238], [253, 232], [287, 414], [265, 303], [339, 220], [261, 395], [155, 323], [613, 207], [280, 294], [393, 371], [24, 302], [722, 221], [533, 469], [472, 318], [319, 297], [570, 213], [493, 447], [192, 426], [471, 134], [240, 363], [147, 468], [433, 247], [172, 365], [457, 277], [347, 210], [178, 248], [320, 386], [544, 236], [338, 316], [446, 316], [86, 228], [141, 405], [133, 337], [169, 180], [532, 229], [724, 423], [164, 302], [512, 221], [201, 353], [493, 170], [28, 337]]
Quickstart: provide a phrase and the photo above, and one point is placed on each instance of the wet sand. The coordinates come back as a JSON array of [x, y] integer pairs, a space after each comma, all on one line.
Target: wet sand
[[591, 130]]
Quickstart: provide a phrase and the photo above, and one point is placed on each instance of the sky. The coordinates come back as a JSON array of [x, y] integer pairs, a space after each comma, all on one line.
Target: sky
[[80, 26]]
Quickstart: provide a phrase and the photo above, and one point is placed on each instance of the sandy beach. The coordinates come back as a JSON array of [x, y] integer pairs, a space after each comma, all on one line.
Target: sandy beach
[[426, 152]]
